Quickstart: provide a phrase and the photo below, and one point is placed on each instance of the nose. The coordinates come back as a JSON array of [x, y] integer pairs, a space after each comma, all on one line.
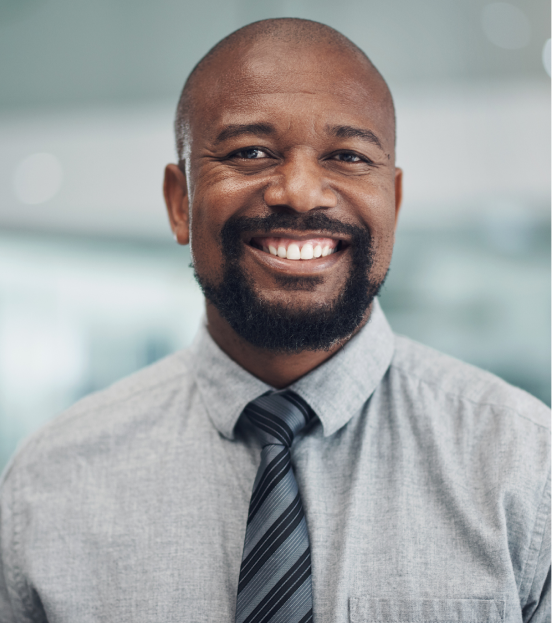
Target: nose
[[300, 184]]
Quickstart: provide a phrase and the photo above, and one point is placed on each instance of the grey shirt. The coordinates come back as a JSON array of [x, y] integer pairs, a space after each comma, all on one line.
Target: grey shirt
[[425, 484]]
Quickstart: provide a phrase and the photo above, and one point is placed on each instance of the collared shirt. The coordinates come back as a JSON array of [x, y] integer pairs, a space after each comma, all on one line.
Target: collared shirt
[[425, 484]]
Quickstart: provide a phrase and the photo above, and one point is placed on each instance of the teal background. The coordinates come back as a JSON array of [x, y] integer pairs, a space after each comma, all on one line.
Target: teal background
[[92, 286]]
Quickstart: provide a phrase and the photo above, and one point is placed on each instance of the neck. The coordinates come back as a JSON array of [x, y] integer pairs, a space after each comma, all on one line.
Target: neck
[[276, 369]]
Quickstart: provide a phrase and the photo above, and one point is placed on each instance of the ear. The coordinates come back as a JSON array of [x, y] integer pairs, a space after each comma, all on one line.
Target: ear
[[175, 191], [398, 193]]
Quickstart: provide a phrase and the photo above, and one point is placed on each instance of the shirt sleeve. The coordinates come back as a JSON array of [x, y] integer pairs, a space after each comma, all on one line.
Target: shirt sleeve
[[13, 607], [6, 611], [537, 605]]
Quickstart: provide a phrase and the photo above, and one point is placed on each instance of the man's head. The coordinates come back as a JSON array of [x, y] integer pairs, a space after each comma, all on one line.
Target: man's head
[[285, 135]]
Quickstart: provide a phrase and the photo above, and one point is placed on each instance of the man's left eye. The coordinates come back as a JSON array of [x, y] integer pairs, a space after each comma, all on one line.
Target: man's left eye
[[348, 157], [251, 153]]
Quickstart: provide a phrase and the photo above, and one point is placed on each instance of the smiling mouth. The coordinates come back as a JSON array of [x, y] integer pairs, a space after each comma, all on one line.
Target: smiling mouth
[[308, 248]]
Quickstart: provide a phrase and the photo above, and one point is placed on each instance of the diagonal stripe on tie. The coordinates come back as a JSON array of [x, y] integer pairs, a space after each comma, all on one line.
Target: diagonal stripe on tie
[[290, 584], [274, 473], [268, 513], [275, 578], [274, 569], [270, 423], [306, 619], [275, 536]]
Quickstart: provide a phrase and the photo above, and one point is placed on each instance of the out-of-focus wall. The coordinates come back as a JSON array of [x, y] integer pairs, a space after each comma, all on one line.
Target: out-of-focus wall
[[92, 286]]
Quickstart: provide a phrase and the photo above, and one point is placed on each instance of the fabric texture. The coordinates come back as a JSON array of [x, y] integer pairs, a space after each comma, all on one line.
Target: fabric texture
[[424, 481], [275, 581]]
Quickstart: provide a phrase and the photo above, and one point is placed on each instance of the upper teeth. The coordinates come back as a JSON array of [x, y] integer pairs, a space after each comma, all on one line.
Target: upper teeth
[[307, 252], [292, 249]]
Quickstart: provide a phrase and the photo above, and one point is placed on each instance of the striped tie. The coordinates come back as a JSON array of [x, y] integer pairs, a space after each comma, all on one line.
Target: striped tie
[[275, 577]]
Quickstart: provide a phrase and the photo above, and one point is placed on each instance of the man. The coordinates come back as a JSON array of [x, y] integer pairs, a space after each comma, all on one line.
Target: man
[[299, 462]]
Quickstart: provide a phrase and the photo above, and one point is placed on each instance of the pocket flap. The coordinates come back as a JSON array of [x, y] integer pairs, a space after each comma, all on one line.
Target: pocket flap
[[426, 610]]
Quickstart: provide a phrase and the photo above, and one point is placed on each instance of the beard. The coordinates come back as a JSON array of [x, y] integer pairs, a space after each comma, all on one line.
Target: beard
[[280, 327]]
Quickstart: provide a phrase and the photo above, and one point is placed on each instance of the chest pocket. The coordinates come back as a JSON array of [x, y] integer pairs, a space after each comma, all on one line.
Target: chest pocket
[[363, 610]]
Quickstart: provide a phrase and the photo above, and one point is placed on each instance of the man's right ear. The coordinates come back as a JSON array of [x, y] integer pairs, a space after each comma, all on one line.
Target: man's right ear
[[175, 191]]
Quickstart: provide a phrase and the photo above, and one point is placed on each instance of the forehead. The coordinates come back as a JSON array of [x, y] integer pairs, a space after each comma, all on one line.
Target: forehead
[[295, 83]]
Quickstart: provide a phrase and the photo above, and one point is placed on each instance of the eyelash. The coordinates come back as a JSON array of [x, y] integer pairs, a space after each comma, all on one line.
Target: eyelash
[[350, 153], [236, 154]]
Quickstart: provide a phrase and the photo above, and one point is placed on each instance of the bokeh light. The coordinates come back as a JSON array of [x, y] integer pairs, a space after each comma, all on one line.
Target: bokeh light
[[546, 54], [38, 178], [506, 26]]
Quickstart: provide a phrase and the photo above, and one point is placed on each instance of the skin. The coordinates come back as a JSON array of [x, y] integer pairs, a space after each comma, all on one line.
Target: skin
[[302, 92]]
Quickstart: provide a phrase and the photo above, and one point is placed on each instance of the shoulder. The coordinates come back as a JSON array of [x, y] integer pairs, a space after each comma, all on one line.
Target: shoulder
[[149, 384], [455, 382], [95, 423], [484, 433]]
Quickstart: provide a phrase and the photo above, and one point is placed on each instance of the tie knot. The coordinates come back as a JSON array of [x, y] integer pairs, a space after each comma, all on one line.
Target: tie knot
[[278, 416]]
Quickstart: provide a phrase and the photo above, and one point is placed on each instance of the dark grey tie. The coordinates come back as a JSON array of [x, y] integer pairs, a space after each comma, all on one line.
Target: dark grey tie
[[275, 578]]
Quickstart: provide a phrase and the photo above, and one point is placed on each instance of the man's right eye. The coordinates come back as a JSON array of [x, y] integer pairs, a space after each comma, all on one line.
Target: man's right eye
[[250, 153]]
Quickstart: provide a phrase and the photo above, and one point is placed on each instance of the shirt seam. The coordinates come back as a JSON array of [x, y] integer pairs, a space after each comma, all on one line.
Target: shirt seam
[[470, 400]]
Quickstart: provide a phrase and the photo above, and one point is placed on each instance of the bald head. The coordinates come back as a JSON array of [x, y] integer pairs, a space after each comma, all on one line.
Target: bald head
[[290, 34]]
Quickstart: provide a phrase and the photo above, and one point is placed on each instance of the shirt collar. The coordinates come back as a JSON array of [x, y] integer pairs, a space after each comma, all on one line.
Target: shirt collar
[[336, 390]]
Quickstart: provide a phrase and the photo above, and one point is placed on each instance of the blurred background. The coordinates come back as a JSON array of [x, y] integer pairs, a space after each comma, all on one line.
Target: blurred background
[[92, 286]]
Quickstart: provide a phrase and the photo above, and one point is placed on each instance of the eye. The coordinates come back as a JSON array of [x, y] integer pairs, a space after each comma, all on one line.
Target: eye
[[250, 153], [347, 156]]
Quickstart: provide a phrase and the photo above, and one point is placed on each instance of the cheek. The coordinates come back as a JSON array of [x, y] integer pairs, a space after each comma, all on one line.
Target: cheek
[[376, 210], [217, 197], [384, 240], [211, 208], [204, 242], [383, 254]]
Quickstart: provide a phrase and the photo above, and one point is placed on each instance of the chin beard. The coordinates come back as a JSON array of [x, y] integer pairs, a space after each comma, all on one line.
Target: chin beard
[[280, 327]]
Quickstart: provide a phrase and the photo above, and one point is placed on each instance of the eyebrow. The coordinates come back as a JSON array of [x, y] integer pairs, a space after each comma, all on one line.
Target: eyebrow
[[349, 131], [242, 129]]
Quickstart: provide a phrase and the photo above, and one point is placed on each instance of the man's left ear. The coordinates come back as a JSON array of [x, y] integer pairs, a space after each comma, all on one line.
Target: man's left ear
[[398, 193], [175, 191]]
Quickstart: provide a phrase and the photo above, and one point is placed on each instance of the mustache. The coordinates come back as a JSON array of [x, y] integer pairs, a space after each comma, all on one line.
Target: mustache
[[235, 226], [278, 326]]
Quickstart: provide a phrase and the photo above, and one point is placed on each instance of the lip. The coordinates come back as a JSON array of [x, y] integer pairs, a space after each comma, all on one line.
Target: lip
[[295, 267], [296, 236]]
